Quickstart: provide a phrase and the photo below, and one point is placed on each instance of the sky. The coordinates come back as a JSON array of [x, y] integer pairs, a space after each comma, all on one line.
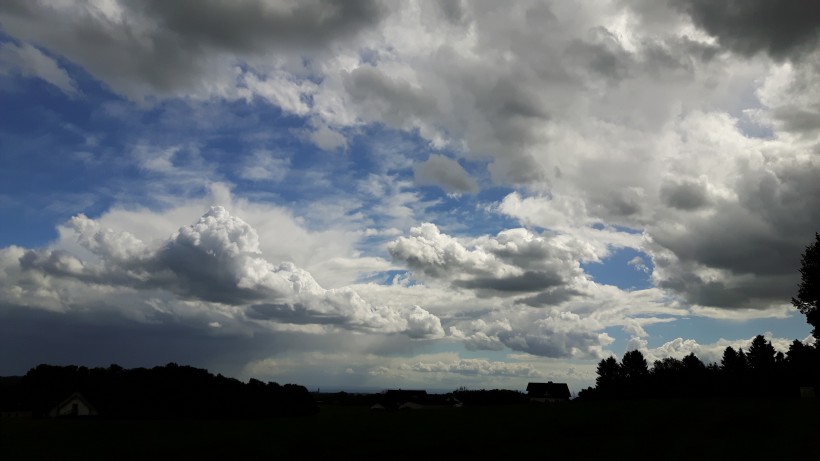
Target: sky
[[432, 194]]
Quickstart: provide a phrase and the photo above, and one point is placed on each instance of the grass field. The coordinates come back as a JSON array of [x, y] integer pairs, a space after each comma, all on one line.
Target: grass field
[[678, 429]]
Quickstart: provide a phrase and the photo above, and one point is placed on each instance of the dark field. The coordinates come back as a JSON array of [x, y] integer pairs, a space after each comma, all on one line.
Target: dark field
[[680, 429]]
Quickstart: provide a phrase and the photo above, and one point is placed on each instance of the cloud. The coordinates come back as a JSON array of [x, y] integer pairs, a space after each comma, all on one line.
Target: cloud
[[264, 166], [684, 196], [477, 367], [28, 60], [327, 138], [216, 260], [382, 96], [560, 335], [445, 173], [707, 353], [608, 125], [515, 261], [157, 48], [789, 94], [783, 29], [638, 263], [743, 250]]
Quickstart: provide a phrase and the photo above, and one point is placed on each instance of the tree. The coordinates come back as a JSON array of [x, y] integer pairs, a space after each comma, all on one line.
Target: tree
[[797, 353], [742, 358], [799, 361], [634, 372], [761, 354], [668, 366], [667, 378], [808, 294], [633, 365], [692, 364], [732, 361], [609, 373]]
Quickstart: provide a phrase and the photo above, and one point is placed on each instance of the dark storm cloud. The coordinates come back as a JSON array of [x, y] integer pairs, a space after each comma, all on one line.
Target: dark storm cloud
[[453, 10], [684, 195], [733, 241], [781, 28], [159, 47], [370, 86], [603, 55], [191, 272], [295, 313], [529, 281], [550, 297], [52, 262], [255, 26], [624, 203], [446, 173], [799, 120], [99, 337], [555, 344], [676, 54], [755, 242], [749, 292]]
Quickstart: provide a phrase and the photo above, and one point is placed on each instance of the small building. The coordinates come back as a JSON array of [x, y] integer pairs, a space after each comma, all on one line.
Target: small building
[[548, 392], [74, 406]]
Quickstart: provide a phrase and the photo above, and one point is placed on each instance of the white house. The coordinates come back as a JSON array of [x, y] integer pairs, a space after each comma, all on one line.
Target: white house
[[74, 405]]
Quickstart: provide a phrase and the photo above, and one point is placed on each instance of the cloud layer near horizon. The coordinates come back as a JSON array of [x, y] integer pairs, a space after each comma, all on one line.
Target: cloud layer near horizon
[[215, 262]]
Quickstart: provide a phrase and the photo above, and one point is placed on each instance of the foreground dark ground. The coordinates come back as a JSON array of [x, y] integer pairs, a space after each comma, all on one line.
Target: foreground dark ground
[[656, 429]]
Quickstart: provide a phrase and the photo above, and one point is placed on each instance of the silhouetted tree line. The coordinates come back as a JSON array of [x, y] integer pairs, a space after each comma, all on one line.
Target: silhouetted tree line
[[170, 391], [343, 398], [392, 399], [490, 397], [759, 372]]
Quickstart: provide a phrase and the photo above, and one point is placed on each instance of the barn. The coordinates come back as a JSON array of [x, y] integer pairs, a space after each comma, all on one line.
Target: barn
[[74, 406]]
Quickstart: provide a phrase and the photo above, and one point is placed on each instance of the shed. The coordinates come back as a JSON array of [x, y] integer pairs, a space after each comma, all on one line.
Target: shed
[[73, 406]]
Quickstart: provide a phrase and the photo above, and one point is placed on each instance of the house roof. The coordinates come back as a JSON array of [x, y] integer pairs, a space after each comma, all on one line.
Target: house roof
[[549, 390], [68, 400]]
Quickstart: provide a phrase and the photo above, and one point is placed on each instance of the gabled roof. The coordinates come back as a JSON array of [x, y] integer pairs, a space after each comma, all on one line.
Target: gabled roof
[[56, 410], [548, 390]]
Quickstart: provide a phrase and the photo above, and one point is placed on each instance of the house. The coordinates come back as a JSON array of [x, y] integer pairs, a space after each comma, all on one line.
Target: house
[[73, 406], [548, 392]]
